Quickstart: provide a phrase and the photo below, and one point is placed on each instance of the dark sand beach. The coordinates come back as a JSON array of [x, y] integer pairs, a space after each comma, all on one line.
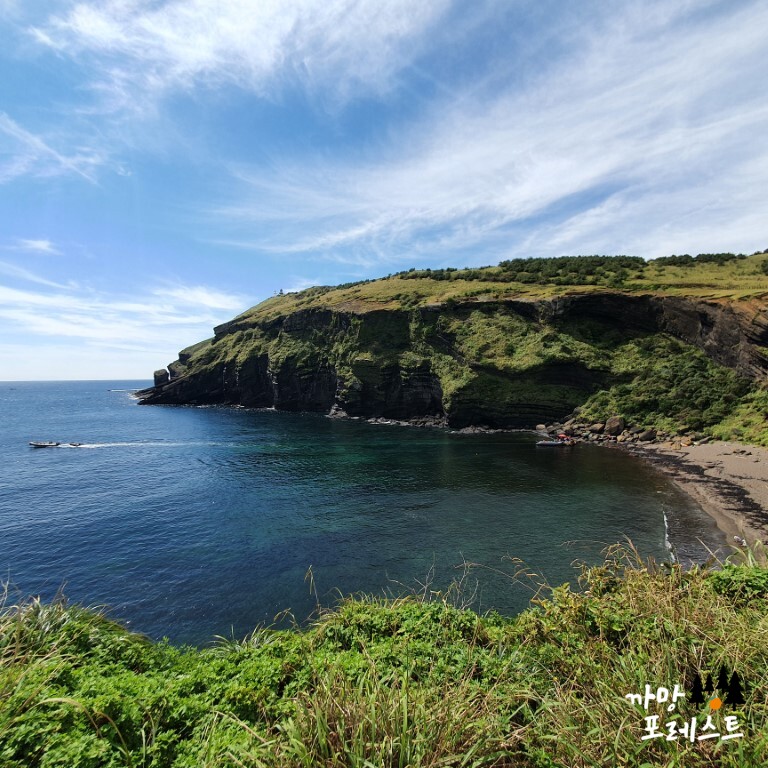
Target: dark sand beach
[[729, 480]]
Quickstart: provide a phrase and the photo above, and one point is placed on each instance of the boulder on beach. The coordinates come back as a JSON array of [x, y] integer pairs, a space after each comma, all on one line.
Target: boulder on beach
[[614, 426]]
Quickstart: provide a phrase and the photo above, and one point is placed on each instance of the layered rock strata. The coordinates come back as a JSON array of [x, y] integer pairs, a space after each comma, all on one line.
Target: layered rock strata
[[500, 364]]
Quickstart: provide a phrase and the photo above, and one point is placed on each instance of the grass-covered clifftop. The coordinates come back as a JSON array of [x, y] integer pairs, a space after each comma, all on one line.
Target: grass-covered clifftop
[[678, 345], [534, 279], [410, 682]]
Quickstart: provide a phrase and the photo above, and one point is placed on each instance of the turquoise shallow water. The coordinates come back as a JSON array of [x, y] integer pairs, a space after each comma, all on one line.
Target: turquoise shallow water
[[192, 522]]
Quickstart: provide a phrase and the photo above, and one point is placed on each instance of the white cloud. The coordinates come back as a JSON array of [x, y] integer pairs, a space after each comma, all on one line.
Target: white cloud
[[25, 153], [12, 270], [150, 48], [37, 246], [300, 283], [201, 296], [160, 318], [652, 131], [644, 131]]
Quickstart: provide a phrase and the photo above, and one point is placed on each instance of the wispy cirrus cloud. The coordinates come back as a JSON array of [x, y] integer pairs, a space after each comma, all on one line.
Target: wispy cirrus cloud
[[300, 283], [41, 246], [151, 48], [643, 137], [77, 332], [26, 275], [201, 296], [24, 153], [162, 317], [37, 246]]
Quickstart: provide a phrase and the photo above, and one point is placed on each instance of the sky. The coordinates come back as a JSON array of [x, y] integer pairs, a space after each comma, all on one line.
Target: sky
[[167, 164]]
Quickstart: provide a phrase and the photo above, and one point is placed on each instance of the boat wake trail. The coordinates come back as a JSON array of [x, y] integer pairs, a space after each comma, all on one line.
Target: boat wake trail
[[147, 444]]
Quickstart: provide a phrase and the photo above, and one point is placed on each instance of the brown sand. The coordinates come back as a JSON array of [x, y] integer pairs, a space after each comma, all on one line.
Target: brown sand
[[728, 480]]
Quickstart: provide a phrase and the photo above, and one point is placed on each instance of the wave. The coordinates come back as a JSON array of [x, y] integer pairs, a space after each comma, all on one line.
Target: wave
[[667, 542]]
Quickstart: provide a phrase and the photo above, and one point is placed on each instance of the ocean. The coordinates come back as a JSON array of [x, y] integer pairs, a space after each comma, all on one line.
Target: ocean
[[190, 523]]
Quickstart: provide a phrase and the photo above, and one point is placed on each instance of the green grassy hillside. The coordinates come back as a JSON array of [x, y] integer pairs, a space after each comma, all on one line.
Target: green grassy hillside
[[409, 682], [739, 279]]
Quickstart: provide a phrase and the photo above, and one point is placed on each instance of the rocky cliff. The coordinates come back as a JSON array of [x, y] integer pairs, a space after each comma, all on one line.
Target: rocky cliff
[[498, 363]]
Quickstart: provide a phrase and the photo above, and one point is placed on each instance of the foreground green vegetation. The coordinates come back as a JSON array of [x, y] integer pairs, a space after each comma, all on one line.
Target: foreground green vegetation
[[408, 682]]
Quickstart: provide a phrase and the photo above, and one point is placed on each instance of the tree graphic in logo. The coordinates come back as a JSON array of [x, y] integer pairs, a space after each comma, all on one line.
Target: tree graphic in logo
[[730, 688]]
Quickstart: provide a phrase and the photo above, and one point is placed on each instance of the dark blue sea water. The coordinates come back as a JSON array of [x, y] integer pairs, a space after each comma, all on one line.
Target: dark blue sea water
[[193, 522]]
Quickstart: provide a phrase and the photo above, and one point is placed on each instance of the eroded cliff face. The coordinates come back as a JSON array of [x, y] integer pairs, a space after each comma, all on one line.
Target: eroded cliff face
[[499, 364], [732, 334]]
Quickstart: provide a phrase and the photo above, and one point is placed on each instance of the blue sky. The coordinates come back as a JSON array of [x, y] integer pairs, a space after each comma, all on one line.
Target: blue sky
[[166, 164]]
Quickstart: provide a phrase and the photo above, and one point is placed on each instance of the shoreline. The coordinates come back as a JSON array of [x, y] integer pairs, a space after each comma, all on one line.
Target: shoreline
[[728, 480]]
